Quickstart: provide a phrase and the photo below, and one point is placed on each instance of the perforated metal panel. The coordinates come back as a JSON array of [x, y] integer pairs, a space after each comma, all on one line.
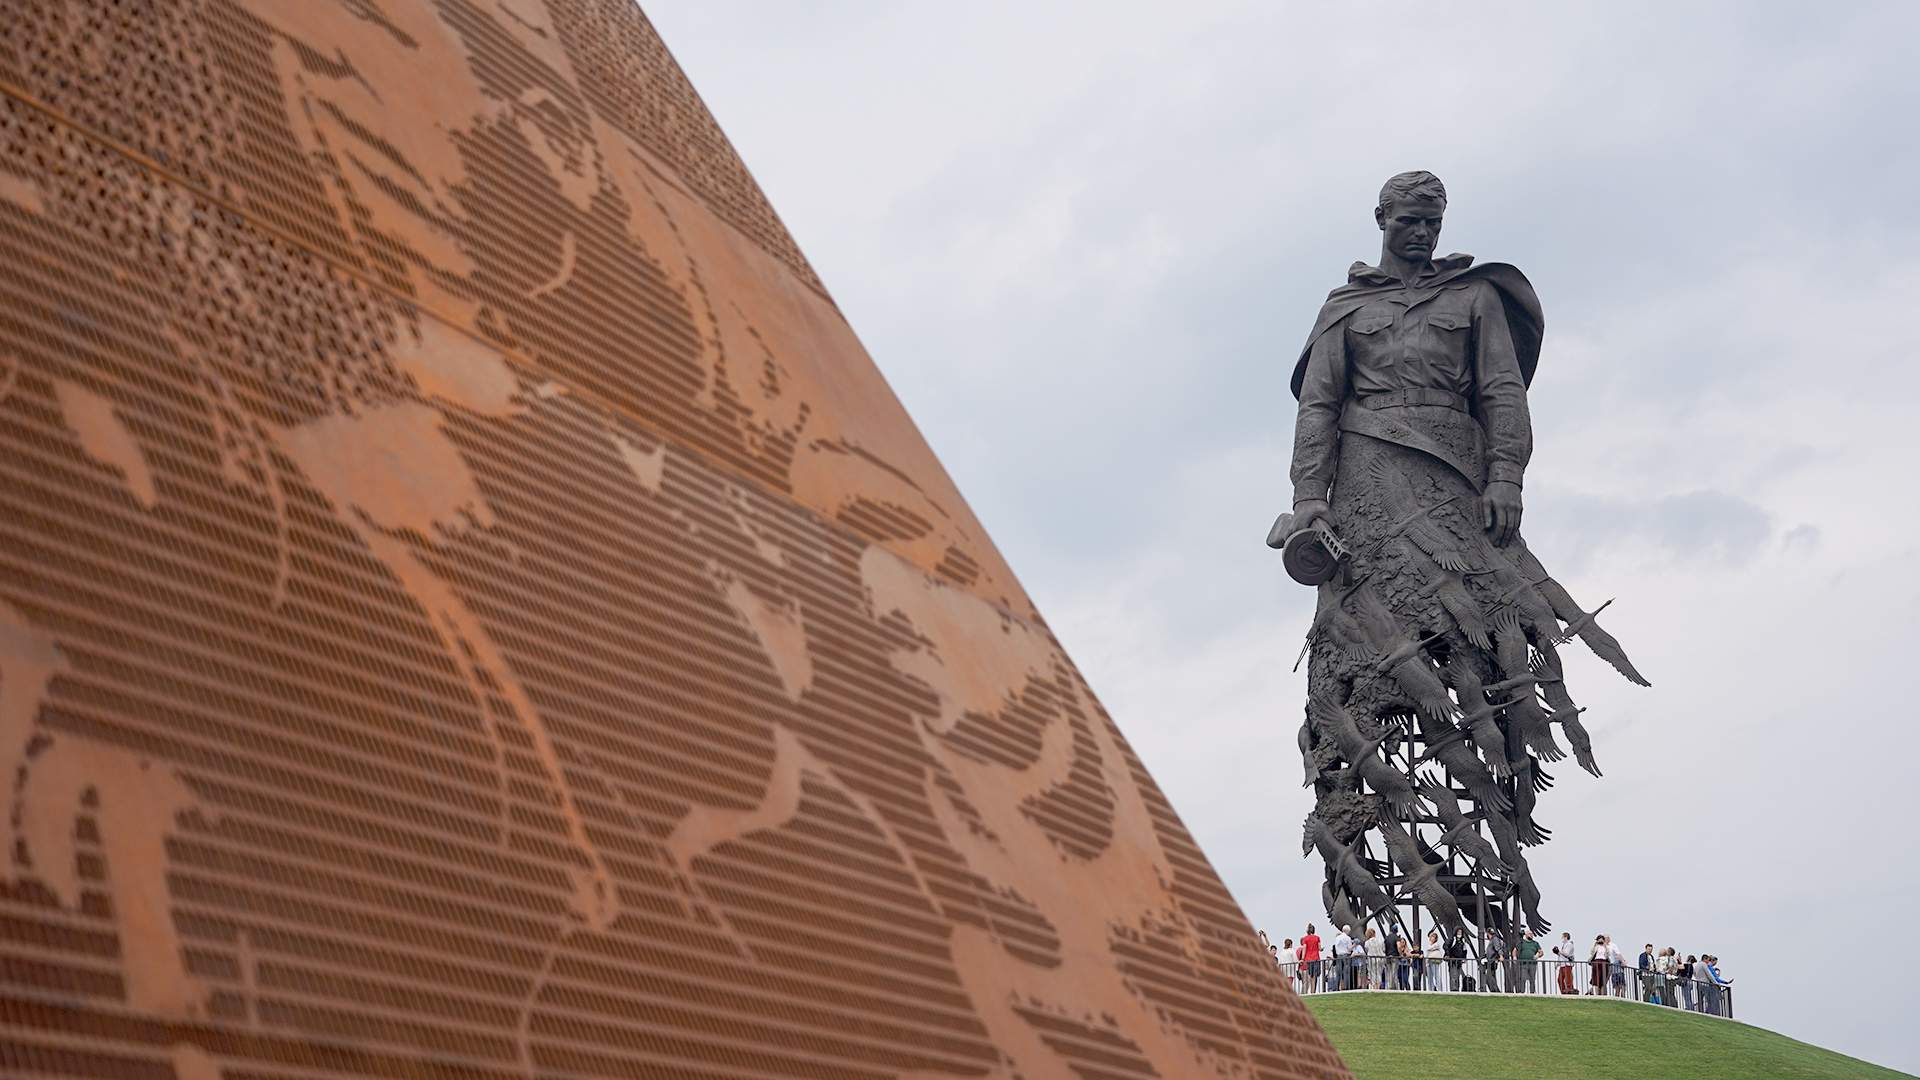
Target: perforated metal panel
[[469, 607]]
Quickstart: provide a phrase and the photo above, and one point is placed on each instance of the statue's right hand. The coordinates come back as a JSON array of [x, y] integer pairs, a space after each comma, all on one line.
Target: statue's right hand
[[1306, 511]]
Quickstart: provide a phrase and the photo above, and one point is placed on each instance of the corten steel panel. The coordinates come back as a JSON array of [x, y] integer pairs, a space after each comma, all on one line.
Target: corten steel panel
[[470, 608]]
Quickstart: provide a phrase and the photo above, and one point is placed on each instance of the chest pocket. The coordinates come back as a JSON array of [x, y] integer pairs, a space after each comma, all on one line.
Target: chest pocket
[[1370, 324], [1448, 320]]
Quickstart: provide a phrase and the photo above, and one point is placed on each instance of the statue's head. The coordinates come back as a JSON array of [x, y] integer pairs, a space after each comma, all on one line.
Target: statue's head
[[1409, 213]]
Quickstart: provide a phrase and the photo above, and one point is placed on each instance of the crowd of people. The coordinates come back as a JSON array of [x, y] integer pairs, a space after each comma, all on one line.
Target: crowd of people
[[1397, 961]]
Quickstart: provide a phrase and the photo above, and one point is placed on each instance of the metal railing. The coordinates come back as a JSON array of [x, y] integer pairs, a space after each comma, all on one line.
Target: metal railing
[[1543, 977]]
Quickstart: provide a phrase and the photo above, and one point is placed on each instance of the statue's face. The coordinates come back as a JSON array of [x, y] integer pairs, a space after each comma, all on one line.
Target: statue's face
[[1412, 227]]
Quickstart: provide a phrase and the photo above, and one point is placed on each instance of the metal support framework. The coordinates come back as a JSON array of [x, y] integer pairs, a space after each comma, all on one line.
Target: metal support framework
[[1492, 893]]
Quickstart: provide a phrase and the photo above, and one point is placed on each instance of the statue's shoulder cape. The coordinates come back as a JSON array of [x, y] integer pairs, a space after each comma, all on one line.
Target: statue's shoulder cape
[[1365, 284]]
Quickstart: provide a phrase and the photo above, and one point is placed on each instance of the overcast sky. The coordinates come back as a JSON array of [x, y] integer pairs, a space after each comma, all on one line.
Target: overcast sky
[[1085, 242]]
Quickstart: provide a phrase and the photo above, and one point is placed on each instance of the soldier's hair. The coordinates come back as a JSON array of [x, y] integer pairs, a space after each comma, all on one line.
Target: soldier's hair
[[1418, 184]]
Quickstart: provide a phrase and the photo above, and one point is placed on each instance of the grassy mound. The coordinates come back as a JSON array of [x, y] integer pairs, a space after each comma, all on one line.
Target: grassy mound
[[1494, 1037]]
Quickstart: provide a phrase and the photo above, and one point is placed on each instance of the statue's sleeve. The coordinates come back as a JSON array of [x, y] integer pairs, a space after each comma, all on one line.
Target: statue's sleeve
[[1316, 428], [1501, 391]]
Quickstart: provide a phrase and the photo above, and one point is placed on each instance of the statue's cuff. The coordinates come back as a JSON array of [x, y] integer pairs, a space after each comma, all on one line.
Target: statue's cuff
[[1504, 471], [1309, 492]]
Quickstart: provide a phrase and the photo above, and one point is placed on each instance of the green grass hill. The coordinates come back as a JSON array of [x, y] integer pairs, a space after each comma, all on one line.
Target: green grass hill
[[1493, 1037]]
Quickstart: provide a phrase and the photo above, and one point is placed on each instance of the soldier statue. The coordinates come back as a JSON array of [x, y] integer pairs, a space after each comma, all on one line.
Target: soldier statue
[[1435, 680]]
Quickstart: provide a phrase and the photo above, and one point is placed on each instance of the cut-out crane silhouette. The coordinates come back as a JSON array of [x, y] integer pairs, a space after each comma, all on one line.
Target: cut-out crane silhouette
[[1415, 522], [1465, 768], [1422, 876], [1581, 624], [1362, 753], [1462, 832], [1449, 590], [1402, 656], [1345, 864]]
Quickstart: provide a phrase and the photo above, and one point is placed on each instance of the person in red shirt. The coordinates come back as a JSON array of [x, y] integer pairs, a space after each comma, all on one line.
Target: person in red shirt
[[1310, 955]]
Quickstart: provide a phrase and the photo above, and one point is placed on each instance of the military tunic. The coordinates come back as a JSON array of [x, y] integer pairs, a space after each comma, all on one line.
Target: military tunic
[[1418, 348]]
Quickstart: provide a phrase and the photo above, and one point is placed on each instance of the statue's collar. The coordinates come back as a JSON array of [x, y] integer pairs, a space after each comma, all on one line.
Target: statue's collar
[[1362, 274]]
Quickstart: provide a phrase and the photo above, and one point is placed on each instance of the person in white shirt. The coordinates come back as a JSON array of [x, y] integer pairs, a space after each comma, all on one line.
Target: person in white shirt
[[1342, 964], [1436, 954], [1663, 967], [1565, 955], [1597, 958], [1618, 964]]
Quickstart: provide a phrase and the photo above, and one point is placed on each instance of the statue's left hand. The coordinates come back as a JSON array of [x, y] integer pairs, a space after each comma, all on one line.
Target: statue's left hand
[[1502, 511]]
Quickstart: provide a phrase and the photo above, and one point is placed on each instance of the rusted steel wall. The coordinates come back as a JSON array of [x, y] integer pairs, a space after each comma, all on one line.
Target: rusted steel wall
[[469, 607]]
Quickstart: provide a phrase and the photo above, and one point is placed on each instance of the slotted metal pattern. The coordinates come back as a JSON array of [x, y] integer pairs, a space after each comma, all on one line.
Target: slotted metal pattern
[[470, 608]]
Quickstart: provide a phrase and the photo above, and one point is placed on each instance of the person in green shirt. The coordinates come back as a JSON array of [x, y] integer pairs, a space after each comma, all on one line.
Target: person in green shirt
[[1528, 954]]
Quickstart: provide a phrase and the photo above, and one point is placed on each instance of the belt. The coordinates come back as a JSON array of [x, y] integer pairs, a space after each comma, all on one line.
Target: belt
[[1396, 399]]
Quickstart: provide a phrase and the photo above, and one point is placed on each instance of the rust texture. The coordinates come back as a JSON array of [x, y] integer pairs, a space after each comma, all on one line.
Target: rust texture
[[469, 606]]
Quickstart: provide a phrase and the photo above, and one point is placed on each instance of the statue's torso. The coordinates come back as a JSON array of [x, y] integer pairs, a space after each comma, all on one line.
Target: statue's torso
[[1419, 338]]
